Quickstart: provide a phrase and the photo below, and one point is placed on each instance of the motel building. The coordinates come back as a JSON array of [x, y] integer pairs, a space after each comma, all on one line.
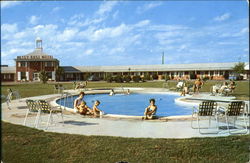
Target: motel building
[[30, 65]]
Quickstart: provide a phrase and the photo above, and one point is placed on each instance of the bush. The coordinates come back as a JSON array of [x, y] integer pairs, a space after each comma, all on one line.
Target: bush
[[136, 78], [192, 76], [86, 76], [147, 77], [118, 79], [109, 78], [127, 78], [167, 77], [205, 78], [163, 77], [155, 77]]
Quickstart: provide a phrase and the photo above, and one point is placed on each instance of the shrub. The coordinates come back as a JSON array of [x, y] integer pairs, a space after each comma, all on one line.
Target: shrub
[[136, 78], [163, 77], [118, 79], [205, 78], [127, 78], [43, 76], [147, 77], [155, 76], [167, 77], [192, 76], [109, 78], [86, 76]]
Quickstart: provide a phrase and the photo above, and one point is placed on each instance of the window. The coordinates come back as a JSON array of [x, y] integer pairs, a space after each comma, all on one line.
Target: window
[[23, 64], [23, 75], [48, 64], [49, 75], [211, 73], [221, 72], [69, 75]]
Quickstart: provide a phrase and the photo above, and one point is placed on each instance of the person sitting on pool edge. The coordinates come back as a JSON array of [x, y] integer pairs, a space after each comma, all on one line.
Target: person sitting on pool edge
[[84, 109], [150, 110], [78, 101], [96, 110]]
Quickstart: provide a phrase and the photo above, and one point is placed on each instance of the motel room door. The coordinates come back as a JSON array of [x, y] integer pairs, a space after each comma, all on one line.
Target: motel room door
[[36, 76]]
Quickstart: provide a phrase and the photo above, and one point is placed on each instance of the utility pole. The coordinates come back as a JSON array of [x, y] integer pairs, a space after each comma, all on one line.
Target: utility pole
[[162, 58]]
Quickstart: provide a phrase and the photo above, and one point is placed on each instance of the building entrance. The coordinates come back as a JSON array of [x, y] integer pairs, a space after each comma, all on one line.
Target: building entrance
[[36, 77]]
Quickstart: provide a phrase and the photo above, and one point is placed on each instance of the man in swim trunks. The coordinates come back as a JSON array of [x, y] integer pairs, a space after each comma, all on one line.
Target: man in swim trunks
[[78, 101], [150, 110]]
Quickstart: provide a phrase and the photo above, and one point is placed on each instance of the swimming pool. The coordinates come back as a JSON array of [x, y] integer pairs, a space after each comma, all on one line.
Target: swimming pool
[[133, 104]]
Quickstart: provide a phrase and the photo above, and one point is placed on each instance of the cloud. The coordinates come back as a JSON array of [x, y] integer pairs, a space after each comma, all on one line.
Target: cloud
[[222, 17], [33, 20], [106, 7], [8, 4], [89, 51], [148, 6], [115, 15], [67, 34], [9, 28], [142, 23], [56, 9]]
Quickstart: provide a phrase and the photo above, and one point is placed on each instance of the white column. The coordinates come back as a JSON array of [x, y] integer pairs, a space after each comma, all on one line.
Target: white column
[[53, 75], [18, 75], [27, 76]]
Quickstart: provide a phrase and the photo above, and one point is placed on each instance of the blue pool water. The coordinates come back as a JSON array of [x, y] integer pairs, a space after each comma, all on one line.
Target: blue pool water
[[133, 104]]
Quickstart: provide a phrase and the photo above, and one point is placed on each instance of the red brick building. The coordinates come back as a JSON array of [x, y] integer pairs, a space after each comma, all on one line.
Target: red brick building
[[29, 66]]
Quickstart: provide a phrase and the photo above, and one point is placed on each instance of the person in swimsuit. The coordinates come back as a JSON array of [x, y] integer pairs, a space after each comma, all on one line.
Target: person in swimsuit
[[112, 92], [78, 101], [150, 110], [197, 85], [84, 109], [96, 110]]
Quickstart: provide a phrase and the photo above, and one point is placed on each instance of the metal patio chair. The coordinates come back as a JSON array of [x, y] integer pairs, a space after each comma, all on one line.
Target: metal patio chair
[[32, 108], [236, 109], [205, 109], [45, 107]]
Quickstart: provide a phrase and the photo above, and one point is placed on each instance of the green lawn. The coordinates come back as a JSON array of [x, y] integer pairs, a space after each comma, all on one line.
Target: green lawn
[[35, 89], [23, 144]]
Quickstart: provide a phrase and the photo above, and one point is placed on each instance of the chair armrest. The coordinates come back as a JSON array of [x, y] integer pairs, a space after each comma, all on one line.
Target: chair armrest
[[195, 110], [221, 110]]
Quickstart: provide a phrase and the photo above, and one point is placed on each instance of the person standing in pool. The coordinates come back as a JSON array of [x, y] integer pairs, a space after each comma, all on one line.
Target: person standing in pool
[[78, 101], [150, 110]]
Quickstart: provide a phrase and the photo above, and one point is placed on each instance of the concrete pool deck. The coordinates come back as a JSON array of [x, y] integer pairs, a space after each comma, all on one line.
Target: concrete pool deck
[[178, 127]]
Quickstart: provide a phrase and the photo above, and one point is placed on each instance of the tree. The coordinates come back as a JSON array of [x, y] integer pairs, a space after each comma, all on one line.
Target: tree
[[239, 68], [86, 75], [59, 73], [43, 76]]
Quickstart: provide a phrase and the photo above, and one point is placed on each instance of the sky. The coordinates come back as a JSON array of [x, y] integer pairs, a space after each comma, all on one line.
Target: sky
[[93, 33]]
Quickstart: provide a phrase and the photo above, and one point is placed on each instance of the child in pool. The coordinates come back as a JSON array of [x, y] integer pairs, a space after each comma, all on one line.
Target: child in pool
[[84, 109], [150, 110]]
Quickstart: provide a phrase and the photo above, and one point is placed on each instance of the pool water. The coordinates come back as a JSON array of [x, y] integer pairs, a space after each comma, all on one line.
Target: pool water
[[133, 104]]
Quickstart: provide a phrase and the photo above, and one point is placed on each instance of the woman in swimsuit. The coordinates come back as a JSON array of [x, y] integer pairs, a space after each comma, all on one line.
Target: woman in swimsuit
[[150, 110]]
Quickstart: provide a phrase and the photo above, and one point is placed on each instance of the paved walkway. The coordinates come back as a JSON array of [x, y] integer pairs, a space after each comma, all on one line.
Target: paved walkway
[[77, 124]]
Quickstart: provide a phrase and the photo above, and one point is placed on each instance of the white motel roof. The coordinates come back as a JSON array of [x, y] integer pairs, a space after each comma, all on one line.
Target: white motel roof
[[143, 68], [164, 67], [8, 70]]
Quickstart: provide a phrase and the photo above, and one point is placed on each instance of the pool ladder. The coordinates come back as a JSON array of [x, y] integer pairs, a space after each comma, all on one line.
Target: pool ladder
[[67, 97]]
